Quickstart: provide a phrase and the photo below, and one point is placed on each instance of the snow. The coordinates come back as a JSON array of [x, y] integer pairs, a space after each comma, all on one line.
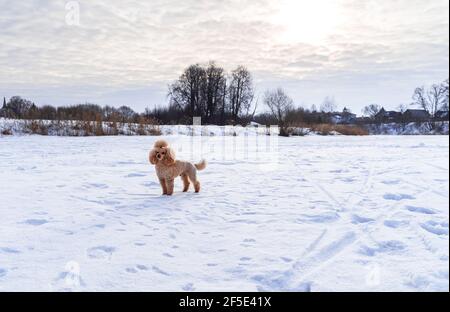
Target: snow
[[299, 214]]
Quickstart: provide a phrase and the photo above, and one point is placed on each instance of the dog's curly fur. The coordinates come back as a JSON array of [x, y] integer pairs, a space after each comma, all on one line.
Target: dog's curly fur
[[168, 168]]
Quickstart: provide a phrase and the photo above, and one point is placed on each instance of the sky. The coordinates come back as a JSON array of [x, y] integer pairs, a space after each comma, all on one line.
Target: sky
[[126, 52]]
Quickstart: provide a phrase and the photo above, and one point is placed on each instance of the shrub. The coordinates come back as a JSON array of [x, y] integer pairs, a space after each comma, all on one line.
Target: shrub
[[154, 131], [36, 127], [112, 128], [300, 131], [88, 129], [99, 128], [6, 132]]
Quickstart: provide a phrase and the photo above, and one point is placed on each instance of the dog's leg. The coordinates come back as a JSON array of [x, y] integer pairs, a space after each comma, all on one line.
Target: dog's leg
[[170, 185], [185, 182], [193, 178], [197, 187], [163, 185]]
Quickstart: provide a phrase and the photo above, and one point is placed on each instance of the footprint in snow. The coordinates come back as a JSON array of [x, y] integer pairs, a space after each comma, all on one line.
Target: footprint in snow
[[357, 219], [421, 210], [100, 252], [418, 282], [391, 182], [159, 271], [188, 287], [9, 250], [327, 217], [142, 267], [136, 269], [280, 283], [395, 224], [388, 247], [2, 272], [135, 175], [35, 222], [96, 185], [437, 228], [397, 197]]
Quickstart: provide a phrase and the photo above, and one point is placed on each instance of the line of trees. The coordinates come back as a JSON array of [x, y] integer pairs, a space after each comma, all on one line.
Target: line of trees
[[19, 108], [209, 92], [222, 98]]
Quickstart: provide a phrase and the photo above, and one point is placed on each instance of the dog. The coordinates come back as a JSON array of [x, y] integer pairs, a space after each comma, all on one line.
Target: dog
[[168, 168]]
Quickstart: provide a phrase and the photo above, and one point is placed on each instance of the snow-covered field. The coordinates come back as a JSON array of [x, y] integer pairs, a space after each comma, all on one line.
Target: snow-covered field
[[298, 214]]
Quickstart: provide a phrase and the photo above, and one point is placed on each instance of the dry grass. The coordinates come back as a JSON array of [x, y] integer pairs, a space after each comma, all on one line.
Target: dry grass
[[351, 130], [328, 129], [323, 129]]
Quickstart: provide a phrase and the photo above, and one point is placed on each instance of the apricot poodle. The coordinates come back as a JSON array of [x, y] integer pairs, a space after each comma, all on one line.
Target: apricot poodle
[[168, 168]]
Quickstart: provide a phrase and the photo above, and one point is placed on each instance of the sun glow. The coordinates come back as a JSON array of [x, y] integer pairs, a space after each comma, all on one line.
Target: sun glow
[[309, 21]]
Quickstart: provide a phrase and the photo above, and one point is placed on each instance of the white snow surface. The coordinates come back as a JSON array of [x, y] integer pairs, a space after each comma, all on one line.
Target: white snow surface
[[314, 214]]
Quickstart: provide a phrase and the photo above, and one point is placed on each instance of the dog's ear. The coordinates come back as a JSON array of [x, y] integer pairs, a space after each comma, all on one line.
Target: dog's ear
[[152, 157], [170, 157]]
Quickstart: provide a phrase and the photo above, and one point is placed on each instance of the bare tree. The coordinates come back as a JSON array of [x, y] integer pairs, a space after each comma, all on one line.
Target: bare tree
[[329, 105], [240, 92], [186, 92], [214, 90], [126, 113], [371, 110], [419, 97], [436, 96], [445, 97], [430, 100], [279, 104]]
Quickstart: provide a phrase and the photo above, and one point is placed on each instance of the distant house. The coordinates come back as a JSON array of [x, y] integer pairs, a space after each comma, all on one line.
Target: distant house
[[385, 116], [442, 115], [364, 120], [346, 117], [417, 115]]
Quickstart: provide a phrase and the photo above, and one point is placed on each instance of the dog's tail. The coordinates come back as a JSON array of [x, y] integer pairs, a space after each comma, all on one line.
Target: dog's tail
[[201, 166]]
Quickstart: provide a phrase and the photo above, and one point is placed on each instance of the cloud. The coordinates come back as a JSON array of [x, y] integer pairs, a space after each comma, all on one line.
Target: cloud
[[373, 51]]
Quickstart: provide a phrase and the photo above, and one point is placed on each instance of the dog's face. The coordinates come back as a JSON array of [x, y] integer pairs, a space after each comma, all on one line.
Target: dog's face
[[162, 154]]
